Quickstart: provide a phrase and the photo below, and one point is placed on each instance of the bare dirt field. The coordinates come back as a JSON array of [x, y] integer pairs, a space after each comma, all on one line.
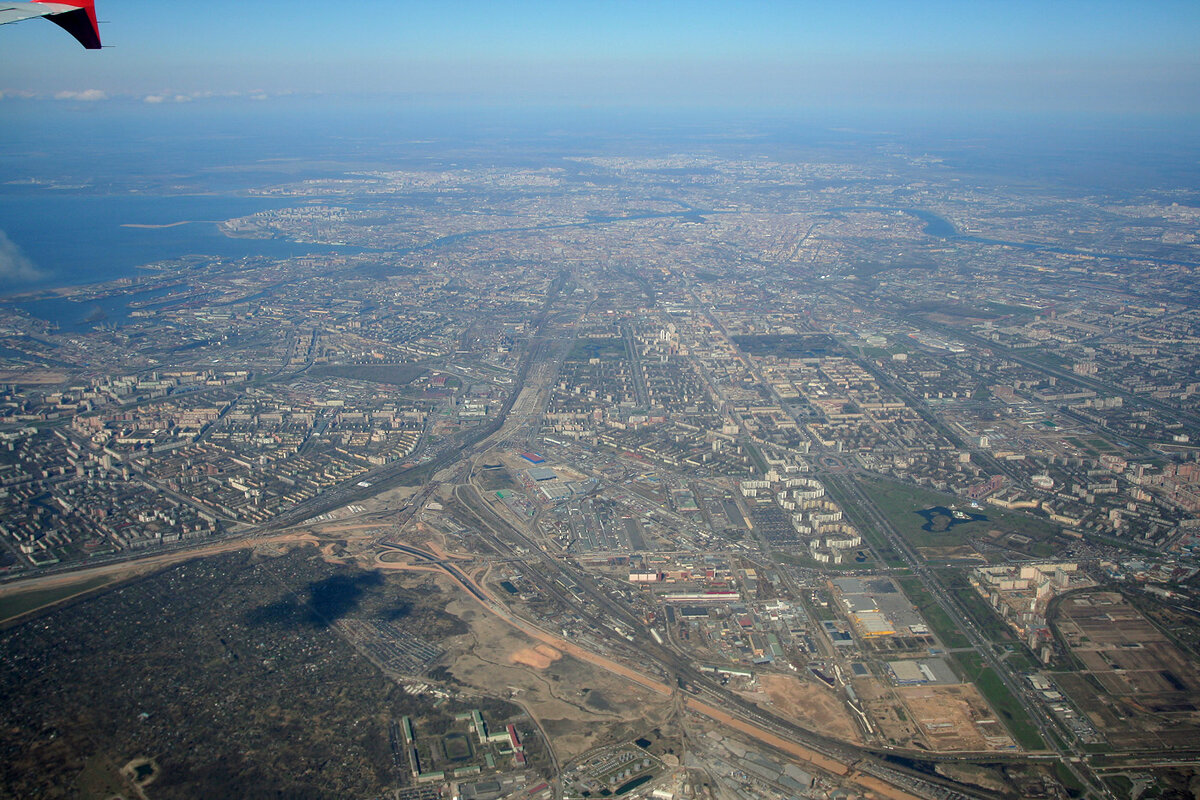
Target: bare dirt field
[[108, 574], [578, 705], [539, 657], [953, 718], [890, 716], [391, 499], [964, 551], [1149, 685], [811, 705], [39, 377]]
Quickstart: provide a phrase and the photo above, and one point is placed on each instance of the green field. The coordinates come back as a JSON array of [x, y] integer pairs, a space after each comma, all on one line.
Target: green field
[[1095, 445], [393, 374], [1069, 781], [14, 605], [1120, 785], [819, 612], [1021, 660], [943, 626], [799, 559], [878, 542], [1001, 699], [587, 349], [900, 504], [760, 463], [987, 620]]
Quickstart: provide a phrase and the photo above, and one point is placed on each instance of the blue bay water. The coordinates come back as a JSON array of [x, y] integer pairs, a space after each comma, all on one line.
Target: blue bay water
[[73, 239], [156, 166]]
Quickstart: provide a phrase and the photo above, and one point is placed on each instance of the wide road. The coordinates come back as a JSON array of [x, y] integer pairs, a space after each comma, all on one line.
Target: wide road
[[849, 487]]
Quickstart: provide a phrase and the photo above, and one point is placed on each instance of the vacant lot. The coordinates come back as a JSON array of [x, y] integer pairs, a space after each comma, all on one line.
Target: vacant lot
[[811, 705], [393, 374], [1135, 685], [578, 705], [17, 602], [954, 718], [1006, 706], [886, 711], [901, 503]]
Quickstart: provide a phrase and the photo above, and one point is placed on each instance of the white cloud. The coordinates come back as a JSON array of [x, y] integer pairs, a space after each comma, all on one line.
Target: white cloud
[[87, 95], [15, 266], [159, 98]]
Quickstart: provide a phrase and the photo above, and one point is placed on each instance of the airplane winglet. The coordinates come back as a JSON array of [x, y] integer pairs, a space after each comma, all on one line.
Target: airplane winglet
[[80, 22]]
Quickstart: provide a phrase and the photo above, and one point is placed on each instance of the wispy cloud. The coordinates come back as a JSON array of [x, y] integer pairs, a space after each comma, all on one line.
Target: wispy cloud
[[160, 98], [155, 99], [86, 96], [15, 266]]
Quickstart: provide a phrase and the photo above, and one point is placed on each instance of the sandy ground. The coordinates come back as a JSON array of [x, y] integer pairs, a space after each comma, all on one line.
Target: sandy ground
[[437, 550], [947, 553], [127, 569], [577, 704], [548, 693], [350, 527], [166, 224], [580, 699], [391, 500], [949, 718], [538, 657], [811, 705], [329, 556], [394, 561], [39, 377]]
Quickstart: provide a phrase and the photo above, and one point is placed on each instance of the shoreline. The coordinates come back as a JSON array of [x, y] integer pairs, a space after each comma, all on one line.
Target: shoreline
[[170, 224]]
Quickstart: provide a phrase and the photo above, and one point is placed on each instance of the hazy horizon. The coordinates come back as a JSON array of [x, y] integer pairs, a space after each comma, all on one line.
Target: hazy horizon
[[1094, 57]]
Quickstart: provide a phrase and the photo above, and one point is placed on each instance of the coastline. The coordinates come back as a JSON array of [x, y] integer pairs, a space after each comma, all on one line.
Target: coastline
[[170, 224]]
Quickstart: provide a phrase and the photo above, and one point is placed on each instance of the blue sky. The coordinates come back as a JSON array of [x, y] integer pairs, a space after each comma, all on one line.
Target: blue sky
[[986, 55]]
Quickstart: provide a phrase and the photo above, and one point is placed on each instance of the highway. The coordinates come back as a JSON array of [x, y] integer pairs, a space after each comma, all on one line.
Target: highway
[[445, 564], [1074, 759]]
